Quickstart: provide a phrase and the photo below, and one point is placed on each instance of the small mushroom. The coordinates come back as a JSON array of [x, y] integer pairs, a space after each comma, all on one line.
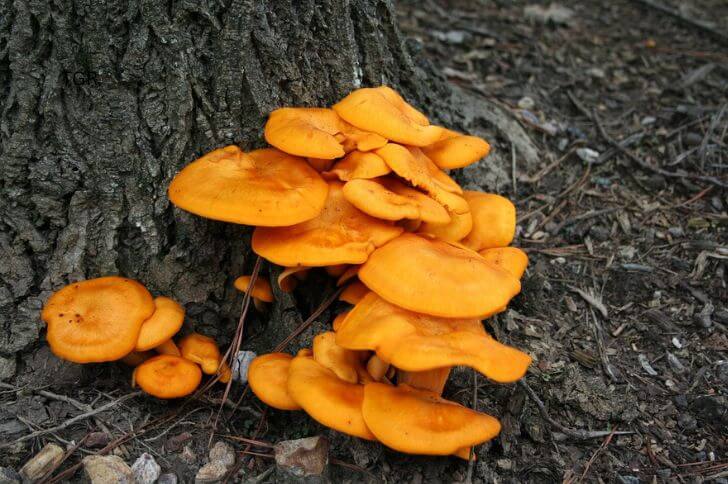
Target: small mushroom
[[359, 165], [346, 364], [202, 350], [167, 376], [455, 150], [289, 277], [512, 259], [377, 368], [494, 221], [438, 278], [341, 234], [354, 292], [165, 322], [268, 378], [305, 132], [425, 423], [96, 320], [264, 188], [262, 292]]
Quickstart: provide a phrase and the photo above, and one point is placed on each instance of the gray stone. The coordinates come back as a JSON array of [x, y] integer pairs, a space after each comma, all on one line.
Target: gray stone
[[107, 469], [211, 472], [302, 458], [9, 476], [145, 469], [554, 13], [222, 452], [42, 462], [241, 364]]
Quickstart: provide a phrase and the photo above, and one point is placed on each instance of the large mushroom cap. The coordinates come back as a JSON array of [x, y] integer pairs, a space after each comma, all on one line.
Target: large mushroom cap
[[420, 422], [384, 112], [305, 132], [512, 259], [167, 376], [358, 165], [435, 277], [164, 323], [202, 350], [264, 187], [341, 234], [96, 320], [417, 342], [268, 378], [494, 221], [326, 398], [457, 151]]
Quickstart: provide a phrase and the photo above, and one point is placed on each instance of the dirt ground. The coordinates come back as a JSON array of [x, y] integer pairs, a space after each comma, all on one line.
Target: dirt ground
[[623, 306]]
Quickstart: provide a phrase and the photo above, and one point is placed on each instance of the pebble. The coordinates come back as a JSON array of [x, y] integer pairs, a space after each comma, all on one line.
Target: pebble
[[97, 440], [210, 473], [675, 363], [222, 452], [526, 103], [596, 72], [49, 457], [145, 469], [299, 458], [554, 13], [241, 365], [104, 469], [587, 155]]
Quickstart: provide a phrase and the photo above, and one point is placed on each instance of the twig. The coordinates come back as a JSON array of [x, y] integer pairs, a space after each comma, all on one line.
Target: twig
[[74, 420], [573, 433], [303, 326], [596, 452], [700, 24]]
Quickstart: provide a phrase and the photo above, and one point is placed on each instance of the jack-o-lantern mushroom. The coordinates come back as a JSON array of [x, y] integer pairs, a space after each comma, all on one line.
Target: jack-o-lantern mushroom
[[512, 259], [164, 323], [268, 379], [359, 165], [167, 376], [455, 150], [261, 293], [494, 221]]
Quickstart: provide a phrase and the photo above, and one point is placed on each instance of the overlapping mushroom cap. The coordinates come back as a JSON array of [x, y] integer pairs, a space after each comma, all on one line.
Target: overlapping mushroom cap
[[454, 150], [97, 320], [359, 165], [512, 259], [341, 234], [437, 278], [264, 187], [268, 378], [494, 221], [202, 350], [164, 323]]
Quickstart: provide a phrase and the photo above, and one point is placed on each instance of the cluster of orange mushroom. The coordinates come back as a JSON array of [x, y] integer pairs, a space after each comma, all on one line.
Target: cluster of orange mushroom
[[361, 190], [115, 318]]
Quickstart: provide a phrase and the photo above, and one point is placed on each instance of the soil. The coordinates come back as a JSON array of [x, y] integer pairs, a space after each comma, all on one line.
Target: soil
[[623, 306]]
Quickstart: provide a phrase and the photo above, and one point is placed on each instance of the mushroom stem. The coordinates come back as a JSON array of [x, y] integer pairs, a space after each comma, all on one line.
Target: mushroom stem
[[168, 348], [432, 380], [136, 358], [377, 368]]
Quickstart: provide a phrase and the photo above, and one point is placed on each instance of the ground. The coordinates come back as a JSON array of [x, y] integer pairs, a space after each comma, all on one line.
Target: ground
[[623, 306]]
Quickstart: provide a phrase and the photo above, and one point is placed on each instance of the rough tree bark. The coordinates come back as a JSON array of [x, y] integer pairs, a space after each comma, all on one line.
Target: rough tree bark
[[102, 102]]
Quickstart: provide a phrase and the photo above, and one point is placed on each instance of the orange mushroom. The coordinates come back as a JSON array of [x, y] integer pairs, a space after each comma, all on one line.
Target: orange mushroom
[[430, 380], [264, 187], [354, 292], [438, 278], [457, 229], [341, 234], [165, 322], [346, 364], [319, 164], [384, 112], [268, 378], [455, 150], [202, 350], [289, 277], [494, 221], [167, 376], [96, 320], [377, 368], [336, 324], [424, 422], [168, 348], [512, 259], [326, 398], [359, 165], [305, 132], [262, 291]]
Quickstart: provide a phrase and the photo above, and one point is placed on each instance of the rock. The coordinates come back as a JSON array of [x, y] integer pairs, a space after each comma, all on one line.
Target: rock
[[9, 476], [211, 472], [526, 103], [587, 155], [145, 469], [167, 478], [703, 318], [241, 365], [49, 457], [555, 13], [302, 458], [222, 452], [97, 440], [7, 367], [106, 469]]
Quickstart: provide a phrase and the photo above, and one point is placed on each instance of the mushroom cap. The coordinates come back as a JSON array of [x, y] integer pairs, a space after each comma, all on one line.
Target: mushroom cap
[[417, 342], [261, 289], [305, 132], [378, 111], [165, 322], [96, 320], [358, 165], [341, 234], [458, 228], [407, 109], [225, 373], [494, 221], [457, 151], [168, 348], [420, 422], [354, 292], [202, 350], [326, 398], [167, 376], [289, 277], [512, 259], [347, 365], [412, 165], [390, 199], [438, 278], [268, 378], [264, 187], [336, 323]]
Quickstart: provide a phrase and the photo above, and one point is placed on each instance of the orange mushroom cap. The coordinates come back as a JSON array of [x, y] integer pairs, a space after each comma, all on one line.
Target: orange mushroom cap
[[261, 289], [202, 350], [512, 259], [458, 228], [96, 320], [268, 378], [341, 234], [420, 422], [326, 398], [167, 376], [165, 322], [358, 165], [435, 277], [264, 187], [346, 364], [168, 348], [381, 112], [417, 342], [336, 323], [494, 221], [225, 373], [354, 292], [289, 277], [336, 270], [412, 165], [305, 132], [457, 152]]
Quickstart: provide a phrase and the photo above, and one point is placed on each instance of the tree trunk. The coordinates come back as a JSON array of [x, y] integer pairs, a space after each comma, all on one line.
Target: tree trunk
[[103, 102]]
